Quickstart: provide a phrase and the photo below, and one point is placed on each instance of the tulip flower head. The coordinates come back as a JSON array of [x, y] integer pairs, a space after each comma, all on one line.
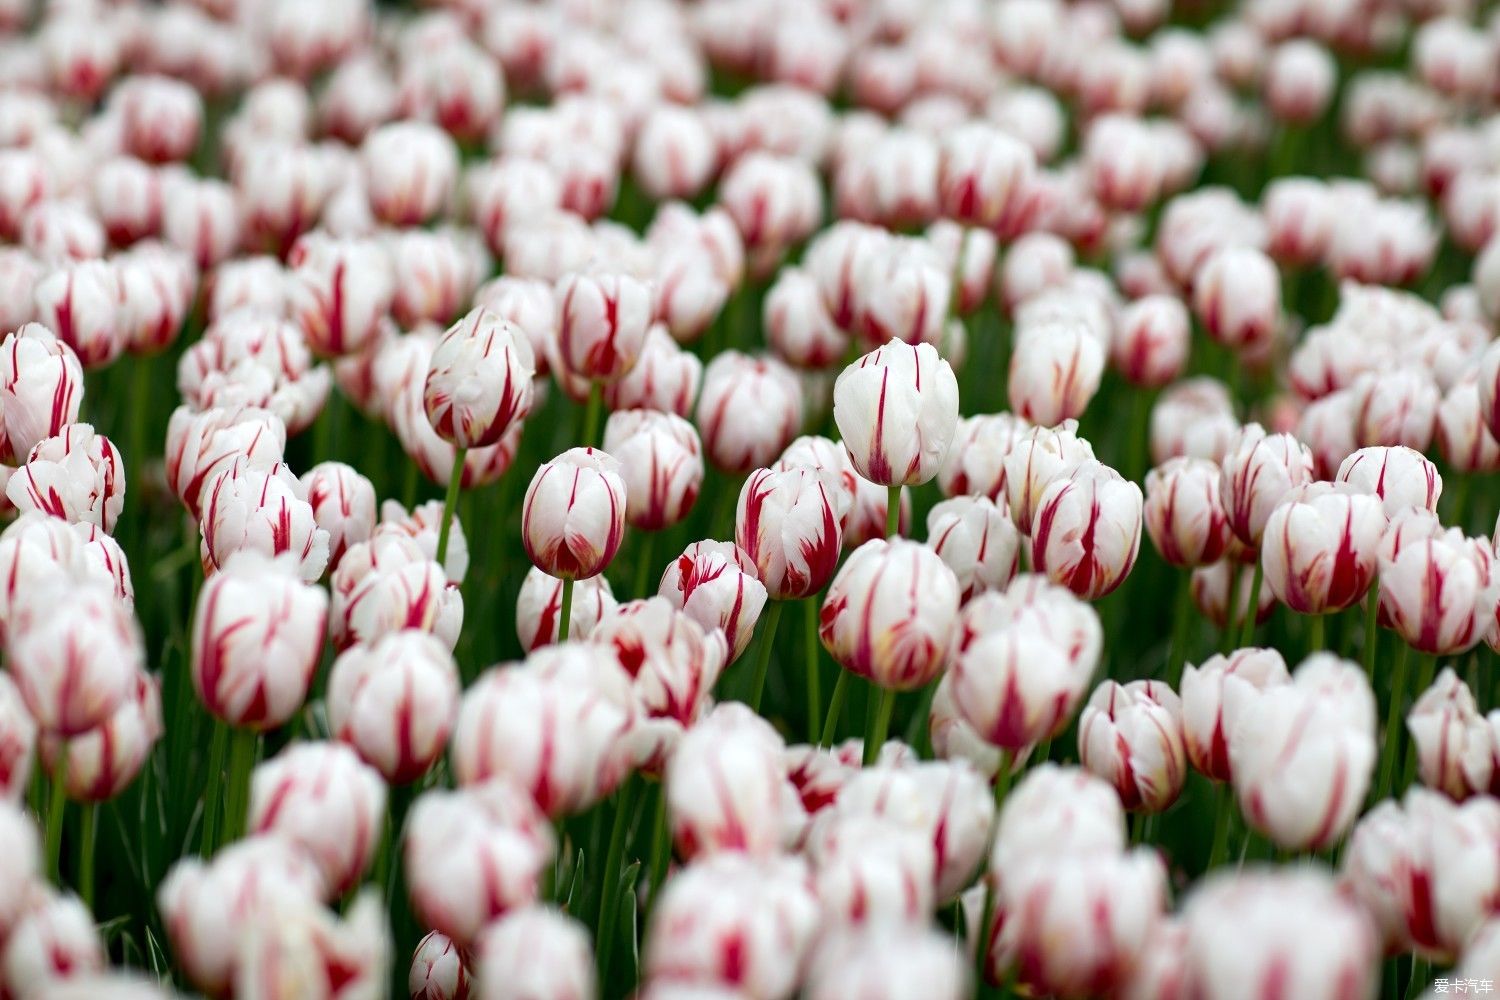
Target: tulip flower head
[[789, 523], [661, 463], [1132, 736], [394, 702], [716, 584], [1320, 547], [1086, 530], [897, 410], [1259, 470], [479, 381], [573, 517]]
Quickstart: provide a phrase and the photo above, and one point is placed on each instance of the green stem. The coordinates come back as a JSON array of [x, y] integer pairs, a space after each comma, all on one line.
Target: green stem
[[56, 808], [241, 762], [1140, 421], [1232, 608], [1372, 637], [1459, 509], [86, 843], [892, 511], [1177, 655], [213, 789], [1315, 634], [409, 488], [450, 504], [763, 659], [814, 681], [1223, 812], [1393, 719], [878, 722], [643, 565], [1253, 607], [609, 906], [593, 415], [835, 708], [565, 616], [661, 846]]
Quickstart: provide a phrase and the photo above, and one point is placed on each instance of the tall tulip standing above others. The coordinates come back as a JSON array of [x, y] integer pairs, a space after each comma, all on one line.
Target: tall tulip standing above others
[[573, 518], [479, 383], [1320, 546], [602, 321], [1086, 531]]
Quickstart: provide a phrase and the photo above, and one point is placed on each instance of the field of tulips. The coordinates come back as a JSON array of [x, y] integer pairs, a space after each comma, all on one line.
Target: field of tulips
[[697, 499]]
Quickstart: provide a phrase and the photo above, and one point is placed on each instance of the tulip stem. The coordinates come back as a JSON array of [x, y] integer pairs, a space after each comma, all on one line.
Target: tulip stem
[[1223, 812], [450, 505], [763, 655], [878, 722], [213, 789], [609, 904], [835, 708], [1372, 637], [565, 616], [893, 511], [592, 414], [241, 761], [661, 845], [1252, 609], [643, 565], [86, 853], [814, 682], [1177, 655], [1393, 719], [1232, 608], [1315, 634], [56, 806]]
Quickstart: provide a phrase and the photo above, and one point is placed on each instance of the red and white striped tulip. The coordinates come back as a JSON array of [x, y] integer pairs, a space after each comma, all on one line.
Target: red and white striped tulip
[[1055, 370], [661, 463], [868, 871], [790, 525], [81, 302], [104, 760], [535, 951], [602, 323], [716, 584], [76, 476], [975, 464], [897, 409], [539, 608], [202, 445], [886, 962], [1464, 441], [1215, 586], [339, 291], [439, 970], [1131, 735], [573, 517], [1193, 418], [1215, 695], [410, 169], [1320, 547], [798, 326], [1401, 477], [977, 541], [1259, 471], [665, 378], [54, 941], [725, 785], [1184, 513], [1237, 298], [343, 504], [1151, 342], [1439, 592], [249, 509], [1086, 530], [1453, 742], [1039, 457], [18, 732], [395, 702], [749, 410], [479, 381]]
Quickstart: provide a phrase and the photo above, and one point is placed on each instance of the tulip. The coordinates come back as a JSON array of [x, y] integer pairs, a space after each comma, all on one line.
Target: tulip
[[1228, 582], [1401, 477], [836, 259], [977, 541], [436, 272], [953, 738], [1303, 754], [402, 588], [104, 760], [775, 202], [510, 721], [923, 401], [749, 410], [125, 196], [157, 287], [539, 607], [869, 872], [789, 524], [339, 290], [456, 85], [1237, 297], [734, 922], [1132, 737], [1463, 439], [1327, 428], [257, 634], [1150, 345], [885, 962], [1054, 371], [1183, 512], [1453, 742], [1289, 929], [674, 154], [970, 256], [18, 733], [410, 169], [422, 525], [76, 476], [1422, 870], [249, 360], [343, 504], [902, 293], [1259, 471], [394, 702], [1042, 456], [724, 785], [661, 463], [1299, 81], [798, 326], [55, 940], [982, 173], [1087, 530], [37, 550], [81, 302], [22, 854], [261, 510], [573, 518], [1319, 549], [664, 378], [208, 907], [19, 273], [1194, 418], [202, 446], [975, 464], [602, 323], [200, 216], [1215, 695], [535, 952], [439, 971], [688, 294], [716, 584], [1439, 592], [307, 950], [472, 855]]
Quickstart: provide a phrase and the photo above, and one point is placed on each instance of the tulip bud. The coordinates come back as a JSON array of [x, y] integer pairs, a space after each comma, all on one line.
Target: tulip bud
[[1042, 456], [539, 608], [76, 476], [210, 906], [322, 798], [1320, 547], [1299, 81], [1087, 530], [890, 614], [1439, 593], [734, 922], [1401, 477], [1132, 737], [798, 326], [512, 721], [410, 169], [716, 584], [982, 172], [158, 286], [750, 409], [1054, 371], [661, 463], [665, 378], [438, 970], [573, 518], [1463, 439], [775, 202], [1288, 926], [201, 218], [472, 855], [975, 464], [902, 292], [1184, 514], [602, 323], [257, 636], [343, 504], [1195, 419], [688, 294], [17, 749], [293, 952], [724, 785], [1214, 697], [923, 400], [261, 510], [1303, 754], [1237, 298], [338, 291], [422, 524], [436, 272], [977, 541], [1259, 470], [869, 871], [1452, 740], [479, 381], [54, 941], [106, 759], [72, 659], [201, 446], [788, 524], [126, 197], [81, 301], [535, 952], [1151, 343]]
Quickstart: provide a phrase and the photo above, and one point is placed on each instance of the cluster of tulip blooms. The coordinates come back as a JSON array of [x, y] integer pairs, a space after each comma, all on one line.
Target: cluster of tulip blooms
[[582, 339]]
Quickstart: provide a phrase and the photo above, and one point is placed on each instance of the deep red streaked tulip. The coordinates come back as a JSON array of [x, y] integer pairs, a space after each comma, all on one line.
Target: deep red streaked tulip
[[1453, 742], [661, 463], [1150, 345], [439, 970], [665, 378], [81, 302], [536, 951], [339, 290], [479, 381], [1237, 297], [897, 410], [1193, 418], [1054, 370], [1401, 477], [749, 410], [539, 608], [201, 446], [982, 172], [602, 323], [1038, 458], [977, 541], [343, 504], [1259, 470], [1086, 530], [1319, 550], [246, 508], [1132, 736], [798, 326], [790, 525], [410, 169], [77, 476], [573, 517], [55, 940], [1183, 512], [395, 701], [1463, 439], [106, 759], [1215, 695], [1214, 587], [724, 784], [1438, 593], [716, 584]]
